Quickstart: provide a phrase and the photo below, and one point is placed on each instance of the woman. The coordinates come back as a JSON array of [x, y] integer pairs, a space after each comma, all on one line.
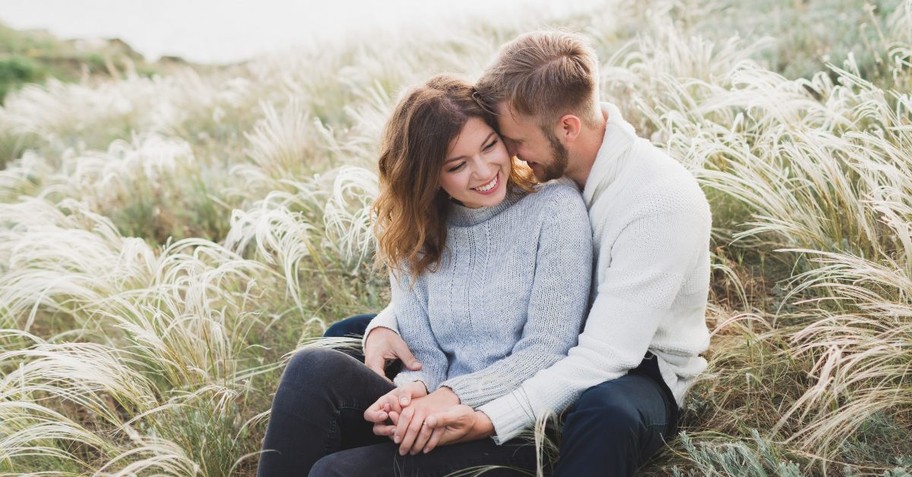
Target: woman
[[490, 283]]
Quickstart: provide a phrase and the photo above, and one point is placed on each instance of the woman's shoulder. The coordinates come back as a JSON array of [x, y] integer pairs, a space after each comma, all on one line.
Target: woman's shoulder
[[561, 191]]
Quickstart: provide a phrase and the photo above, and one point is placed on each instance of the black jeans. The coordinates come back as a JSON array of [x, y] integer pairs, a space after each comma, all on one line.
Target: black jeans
[[612, 429], [317, 428]]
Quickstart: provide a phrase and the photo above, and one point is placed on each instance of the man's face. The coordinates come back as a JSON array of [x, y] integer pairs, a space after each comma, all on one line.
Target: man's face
[[524, 139]]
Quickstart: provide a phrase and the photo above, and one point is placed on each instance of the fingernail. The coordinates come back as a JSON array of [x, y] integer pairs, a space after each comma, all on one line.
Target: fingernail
[[403, 400]]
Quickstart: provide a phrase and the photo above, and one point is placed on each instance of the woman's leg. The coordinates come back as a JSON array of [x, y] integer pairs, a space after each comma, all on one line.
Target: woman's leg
[[513, 458], [317, 410]]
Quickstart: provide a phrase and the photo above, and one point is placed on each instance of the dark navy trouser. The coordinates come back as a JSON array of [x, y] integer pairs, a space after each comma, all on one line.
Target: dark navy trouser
[[612, 429]]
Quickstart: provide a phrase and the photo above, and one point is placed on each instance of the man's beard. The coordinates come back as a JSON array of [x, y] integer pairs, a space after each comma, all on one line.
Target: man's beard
[[558, 166]]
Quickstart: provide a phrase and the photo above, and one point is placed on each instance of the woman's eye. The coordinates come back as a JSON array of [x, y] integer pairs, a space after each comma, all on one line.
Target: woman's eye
[[490, 145], [456, 168]]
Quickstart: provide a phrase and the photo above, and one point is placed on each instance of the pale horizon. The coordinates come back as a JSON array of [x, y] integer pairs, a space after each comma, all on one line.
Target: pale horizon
[[212, 31]]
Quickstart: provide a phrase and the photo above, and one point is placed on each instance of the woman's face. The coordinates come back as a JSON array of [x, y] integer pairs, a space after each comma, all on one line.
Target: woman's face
[[476, 167]]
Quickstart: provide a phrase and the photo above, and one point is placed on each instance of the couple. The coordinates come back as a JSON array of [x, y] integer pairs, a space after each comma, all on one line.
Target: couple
[[491, 286]]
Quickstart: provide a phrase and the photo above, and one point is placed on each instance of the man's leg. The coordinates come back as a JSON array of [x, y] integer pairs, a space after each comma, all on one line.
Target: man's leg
[[351, 327], [354, 327], [317, 410], [617, 425]]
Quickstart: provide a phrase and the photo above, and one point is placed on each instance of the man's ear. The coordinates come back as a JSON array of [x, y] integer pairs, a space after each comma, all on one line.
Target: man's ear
[[568, 128]]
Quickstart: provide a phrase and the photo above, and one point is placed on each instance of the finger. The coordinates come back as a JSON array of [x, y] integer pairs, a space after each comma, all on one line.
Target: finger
[[436, 435], [377, 416], [378, 411], [411, 433], [405, 418], [421, 439], [405, 355], [376, 363], [391, 402], [384, 430]]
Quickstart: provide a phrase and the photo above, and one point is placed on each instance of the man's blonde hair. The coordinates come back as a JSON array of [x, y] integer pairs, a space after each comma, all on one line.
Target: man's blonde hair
[[544, 75]]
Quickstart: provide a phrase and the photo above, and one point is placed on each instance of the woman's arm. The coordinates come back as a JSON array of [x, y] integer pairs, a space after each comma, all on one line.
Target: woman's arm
[[409, 306]]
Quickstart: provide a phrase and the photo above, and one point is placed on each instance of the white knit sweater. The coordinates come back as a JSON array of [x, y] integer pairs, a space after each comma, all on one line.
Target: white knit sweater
[[507, 300], [651, 225]]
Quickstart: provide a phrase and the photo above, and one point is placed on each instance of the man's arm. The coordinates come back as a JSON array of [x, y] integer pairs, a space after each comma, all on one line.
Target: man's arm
[[645, 268], [382, 346], [456, 424]]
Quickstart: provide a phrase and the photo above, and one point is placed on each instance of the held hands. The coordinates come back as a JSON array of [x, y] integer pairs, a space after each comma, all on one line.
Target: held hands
[[380, 413], [419, 424], [384, 345]]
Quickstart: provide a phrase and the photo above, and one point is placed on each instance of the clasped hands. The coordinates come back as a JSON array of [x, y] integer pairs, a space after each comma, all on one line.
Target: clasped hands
[[411, 417], [419, 421]]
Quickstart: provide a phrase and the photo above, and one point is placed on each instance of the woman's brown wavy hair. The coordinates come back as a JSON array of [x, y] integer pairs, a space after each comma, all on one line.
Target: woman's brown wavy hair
[[411, 208]]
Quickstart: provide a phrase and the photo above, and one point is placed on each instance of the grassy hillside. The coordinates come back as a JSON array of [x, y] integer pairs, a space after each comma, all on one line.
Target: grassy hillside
[[167, 241], [34, 56]]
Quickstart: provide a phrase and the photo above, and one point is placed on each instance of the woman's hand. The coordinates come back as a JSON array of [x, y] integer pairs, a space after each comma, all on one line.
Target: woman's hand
[[392, 402], [411, 433]]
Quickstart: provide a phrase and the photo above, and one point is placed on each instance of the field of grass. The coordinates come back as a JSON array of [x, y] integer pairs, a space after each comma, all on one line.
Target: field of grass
[[167, 241]]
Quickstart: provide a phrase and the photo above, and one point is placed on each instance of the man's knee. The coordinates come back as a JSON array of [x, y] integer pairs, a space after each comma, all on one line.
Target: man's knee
[[351, 327], [607, 408]]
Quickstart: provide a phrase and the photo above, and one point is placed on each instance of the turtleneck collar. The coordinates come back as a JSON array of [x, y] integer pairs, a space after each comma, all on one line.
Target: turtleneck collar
[[619, 136], [461, 216]]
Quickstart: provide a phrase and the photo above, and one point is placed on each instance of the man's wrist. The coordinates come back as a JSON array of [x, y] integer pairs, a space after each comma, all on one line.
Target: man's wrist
[[483, 426]]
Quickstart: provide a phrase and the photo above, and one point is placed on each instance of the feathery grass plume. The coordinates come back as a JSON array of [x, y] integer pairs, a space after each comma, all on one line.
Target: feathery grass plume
[[862, 357], [149, 187], [23, 177], [348, 217], [62, 404], [36, 439], [283, 145], [57, 259], [279, 236], [153, 456]]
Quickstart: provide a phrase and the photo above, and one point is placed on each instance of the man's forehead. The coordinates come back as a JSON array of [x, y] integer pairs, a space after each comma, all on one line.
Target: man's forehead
[[511, 123]]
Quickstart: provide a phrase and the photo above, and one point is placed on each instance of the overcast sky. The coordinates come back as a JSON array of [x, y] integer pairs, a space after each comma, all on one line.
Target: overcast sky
[[232, 30]]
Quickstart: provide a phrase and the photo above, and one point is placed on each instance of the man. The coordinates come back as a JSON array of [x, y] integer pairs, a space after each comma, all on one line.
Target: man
[[639, 351]]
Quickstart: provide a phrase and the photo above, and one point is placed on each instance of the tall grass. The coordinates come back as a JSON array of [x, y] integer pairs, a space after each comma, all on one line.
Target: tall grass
[[167, 242]]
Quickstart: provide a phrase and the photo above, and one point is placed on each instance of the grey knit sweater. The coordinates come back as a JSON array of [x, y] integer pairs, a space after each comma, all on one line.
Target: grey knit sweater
[[507, 300]]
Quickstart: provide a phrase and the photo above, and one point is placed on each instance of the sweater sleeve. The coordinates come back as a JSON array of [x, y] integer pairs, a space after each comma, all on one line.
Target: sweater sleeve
[[409, 309], [646, 266], [558, 303], [385, 319]]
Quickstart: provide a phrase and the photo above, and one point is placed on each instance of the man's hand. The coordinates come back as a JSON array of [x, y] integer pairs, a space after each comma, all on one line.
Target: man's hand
[[383, 345], [392, 402], [411, 433], [457, 424]]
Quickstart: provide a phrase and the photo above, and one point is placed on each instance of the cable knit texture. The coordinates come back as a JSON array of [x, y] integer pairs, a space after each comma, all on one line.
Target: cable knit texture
[[507, 300], [651, 226]]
